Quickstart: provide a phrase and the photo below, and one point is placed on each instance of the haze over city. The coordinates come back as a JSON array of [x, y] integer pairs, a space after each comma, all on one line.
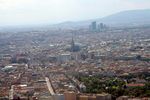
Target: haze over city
[[74, 49], [26, 12]]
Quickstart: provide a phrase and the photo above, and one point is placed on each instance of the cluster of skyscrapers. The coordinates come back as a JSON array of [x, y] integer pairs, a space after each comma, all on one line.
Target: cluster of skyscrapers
[[97, 28]]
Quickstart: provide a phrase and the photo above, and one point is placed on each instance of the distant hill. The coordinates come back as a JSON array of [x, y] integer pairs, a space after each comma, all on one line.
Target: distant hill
[[133, 17], [124, 18]]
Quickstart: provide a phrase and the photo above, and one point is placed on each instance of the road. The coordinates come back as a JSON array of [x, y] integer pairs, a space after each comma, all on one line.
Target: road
[[49, 85], [11, 93]]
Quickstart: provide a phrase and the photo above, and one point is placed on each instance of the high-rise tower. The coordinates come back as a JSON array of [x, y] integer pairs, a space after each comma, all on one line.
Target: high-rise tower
[[93, 26]]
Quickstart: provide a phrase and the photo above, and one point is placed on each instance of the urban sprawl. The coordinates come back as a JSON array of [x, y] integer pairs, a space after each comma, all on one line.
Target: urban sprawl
[[95, 63]]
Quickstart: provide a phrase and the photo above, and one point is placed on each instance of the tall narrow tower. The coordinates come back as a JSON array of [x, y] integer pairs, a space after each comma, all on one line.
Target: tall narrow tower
[[72, 44]]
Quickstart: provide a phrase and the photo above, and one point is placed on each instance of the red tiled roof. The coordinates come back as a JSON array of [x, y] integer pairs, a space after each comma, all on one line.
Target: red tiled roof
[[135, 85]]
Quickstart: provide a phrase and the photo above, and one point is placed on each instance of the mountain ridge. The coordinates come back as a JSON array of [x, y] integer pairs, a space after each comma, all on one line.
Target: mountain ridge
[[123, 18]]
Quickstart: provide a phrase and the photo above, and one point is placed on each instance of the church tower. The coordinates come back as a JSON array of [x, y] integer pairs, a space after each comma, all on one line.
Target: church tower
[[72, 45]]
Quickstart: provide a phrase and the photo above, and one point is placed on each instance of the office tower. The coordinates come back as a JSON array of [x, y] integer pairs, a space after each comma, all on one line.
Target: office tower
[[93, 26]]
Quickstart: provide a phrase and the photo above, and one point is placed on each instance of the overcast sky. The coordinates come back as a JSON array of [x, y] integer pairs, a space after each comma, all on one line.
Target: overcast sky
[[15, 12]]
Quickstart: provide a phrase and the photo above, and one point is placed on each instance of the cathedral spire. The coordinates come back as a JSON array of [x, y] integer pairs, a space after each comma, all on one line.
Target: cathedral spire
[[72, 44]]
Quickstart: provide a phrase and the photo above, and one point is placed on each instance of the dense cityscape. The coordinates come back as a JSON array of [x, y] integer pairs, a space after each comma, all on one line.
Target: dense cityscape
[[95, 63]]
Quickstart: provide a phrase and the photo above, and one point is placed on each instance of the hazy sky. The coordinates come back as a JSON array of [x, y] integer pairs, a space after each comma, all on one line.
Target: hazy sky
[[15, 12]]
